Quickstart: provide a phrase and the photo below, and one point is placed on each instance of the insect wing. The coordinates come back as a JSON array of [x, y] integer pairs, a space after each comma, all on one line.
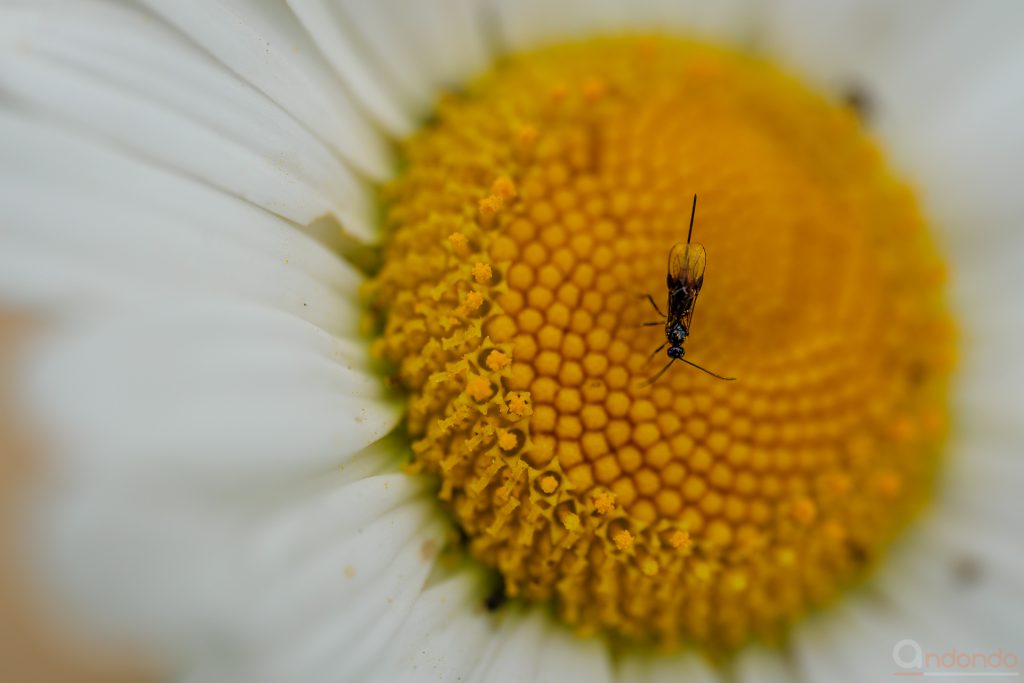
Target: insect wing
[[696, 259], [686, 265]]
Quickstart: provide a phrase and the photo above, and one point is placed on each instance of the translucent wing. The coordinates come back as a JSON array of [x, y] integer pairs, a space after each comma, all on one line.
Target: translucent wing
[[696, 259], [686, 265]]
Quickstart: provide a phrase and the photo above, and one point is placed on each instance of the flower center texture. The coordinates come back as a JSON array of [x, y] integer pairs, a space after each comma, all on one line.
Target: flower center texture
[[533, 215]]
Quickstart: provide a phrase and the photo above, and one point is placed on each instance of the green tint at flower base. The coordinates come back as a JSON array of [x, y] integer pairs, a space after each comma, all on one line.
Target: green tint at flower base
[[530, 220]]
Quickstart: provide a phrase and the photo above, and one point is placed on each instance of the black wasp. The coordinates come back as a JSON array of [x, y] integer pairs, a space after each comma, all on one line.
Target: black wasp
[[685, 278]]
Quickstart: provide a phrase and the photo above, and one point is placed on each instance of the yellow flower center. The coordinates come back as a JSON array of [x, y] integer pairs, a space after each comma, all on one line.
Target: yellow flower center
[[531, 219]]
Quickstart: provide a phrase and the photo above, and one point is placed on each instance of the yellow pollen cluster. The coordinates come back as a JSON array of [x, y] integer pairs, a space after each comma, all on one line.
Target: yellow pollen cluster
[[531, 219]]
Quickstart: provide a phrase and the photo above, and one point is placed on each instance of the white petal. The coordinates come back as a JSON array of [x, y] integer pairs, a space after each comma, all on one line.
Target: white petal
[[919, 591], [389, 41], [264, 45], [416, 48], [327, 24], [149, 92], [568, 656], [511, 654], [987, 401], [925, 580], [150, 566], [908, 57], [816, 645], [731, 20], [863, 634], [126, 235], [648, 667], [980, 482], [519, 645], [339, 595], [459, 39], [528, 23], [851, 642], [450, 636], [443, 637], [945, 91], [381, 457], [756, 664], [523, 25], [223, 395], [308, 586]]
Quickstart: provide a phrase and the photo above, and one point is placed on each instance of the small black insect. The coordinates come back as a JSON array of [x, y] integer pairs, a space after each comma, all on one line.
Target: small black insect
[[685, 278]]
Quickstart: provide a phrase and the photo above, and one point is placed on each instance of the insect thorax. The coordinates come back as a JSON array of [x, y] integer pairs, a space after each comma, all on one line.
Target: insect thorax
[[676, 333]]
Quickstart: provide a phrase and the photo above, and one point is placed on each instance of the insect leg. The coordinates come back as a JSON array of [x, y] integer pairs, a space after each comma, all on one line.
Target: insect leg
[[651, 299], [727, 379], [656, 322], [660, 373], [655, 352]]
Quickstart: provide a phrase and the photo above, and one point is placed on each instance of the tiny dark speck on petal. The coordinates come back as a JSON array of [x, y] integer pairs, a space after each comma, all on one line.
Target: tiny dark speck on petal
[[967, 571], [856, 97]]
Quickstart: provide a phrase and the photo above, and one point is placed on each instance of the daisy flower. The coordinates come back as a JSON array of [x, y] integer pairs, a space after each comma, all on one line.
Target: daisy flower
[[354, 320]]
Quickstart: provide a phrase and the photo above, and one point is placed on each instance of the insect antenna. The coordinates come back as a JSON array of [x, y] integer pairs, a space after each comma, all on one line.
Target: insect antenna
[[727, 379], [693, 212]]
